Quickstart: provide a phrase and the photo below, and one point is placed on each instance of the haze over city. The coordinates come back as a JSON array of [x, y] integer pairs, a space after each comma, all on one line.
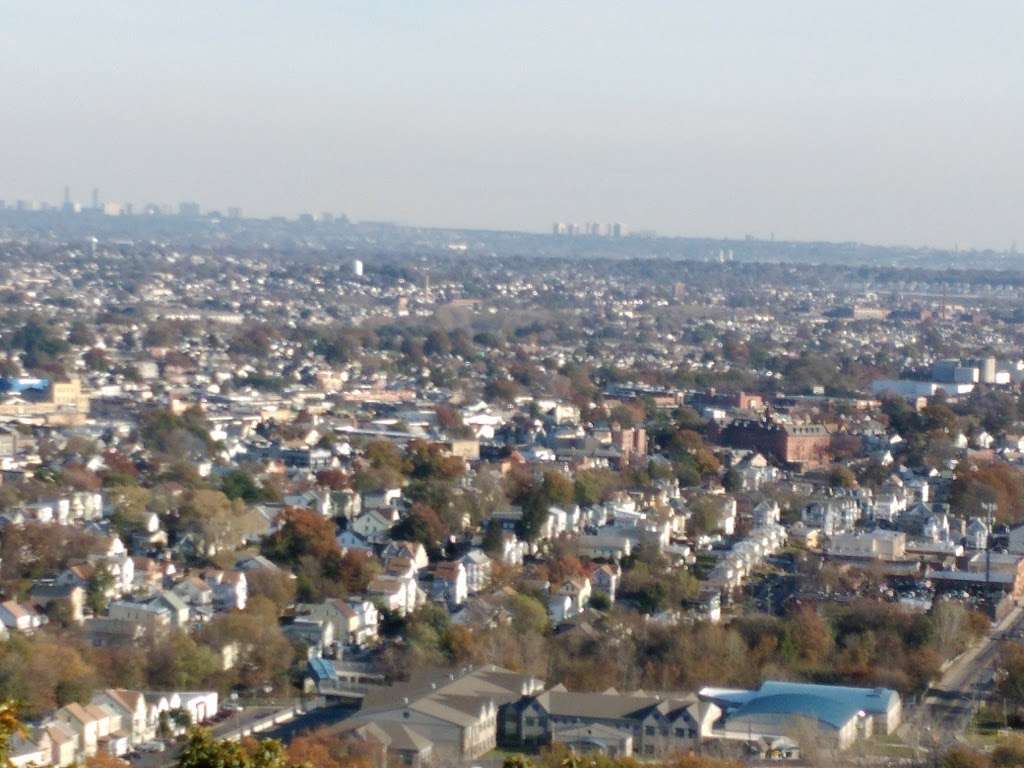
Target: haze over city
[[511, 384], [880, 122]]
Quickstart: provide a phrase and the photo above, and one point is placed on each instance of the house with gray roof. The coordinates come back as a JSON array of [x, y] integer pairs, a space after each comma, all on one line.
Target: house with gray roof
[[655, 724]]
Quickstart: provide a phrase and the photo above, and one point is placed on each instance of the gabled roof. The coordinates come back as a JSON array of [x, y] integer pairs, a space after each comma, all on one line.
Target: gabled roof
[[610, 706]]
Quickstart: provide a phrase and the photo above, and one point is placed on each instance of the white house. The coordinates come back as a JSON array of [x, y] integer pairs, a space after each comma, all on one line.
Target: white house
[[478, 570]]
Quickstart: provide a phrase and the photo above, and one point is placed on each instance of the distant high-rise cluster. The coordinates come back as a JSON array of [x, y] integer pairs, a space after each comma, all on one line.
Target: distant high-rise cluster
[[187, 209], [588, 229]]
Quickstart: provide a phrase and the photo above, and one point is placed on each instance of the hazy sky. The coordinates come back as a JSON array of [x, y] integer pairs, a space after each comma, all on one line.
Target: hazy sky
[[888, 121]]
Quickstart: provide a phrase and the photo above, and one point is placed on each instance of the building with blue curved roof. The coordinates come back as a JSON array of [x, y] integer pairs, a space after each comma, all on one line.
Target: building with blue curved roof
[[840, 714]]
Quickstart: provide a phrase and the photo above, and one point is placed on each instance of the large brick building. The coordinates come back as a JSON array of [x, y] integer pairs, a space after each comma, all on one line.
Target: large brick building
[[800, 445]]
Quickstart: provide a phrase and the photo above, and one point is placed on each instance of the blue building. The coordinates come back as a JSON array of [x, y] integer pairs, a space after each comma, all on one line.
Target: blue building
[[777, 710]]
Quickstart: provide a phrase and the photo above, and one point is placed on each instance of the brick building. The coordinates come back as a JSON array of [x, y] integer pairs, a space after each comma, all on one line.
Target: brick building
[[800, 445], [631, 442]]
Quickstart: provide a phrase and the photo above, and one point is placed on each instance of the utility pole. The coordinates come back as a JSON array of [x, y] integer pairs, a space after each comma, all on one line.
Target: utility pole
[[989, 508]]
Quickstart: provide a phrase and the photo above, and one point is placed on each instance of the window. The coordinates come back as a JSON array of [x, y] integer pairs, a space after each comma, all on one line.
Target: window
[[531, 721], [406, 714], [649, 730], [680, 733]]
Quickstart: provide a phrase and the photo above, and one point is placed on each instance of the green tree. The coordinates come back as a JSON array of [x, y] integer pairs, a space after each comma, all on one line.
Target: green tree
[[202, 750], [98, 589]]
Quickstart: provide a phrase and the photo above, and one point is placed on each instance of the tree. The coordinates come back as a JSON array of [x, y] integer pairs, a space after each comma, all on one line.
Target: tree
[[219, 521], [324, 748], [278, 586], [10, 726], [302, 532], [178, 662], [493, 539], [203, 751], [97, 592], [706, 514], [238, 484], [1011, 686], [811, 636], [557, 488], [43, 674], [528, 613], [335, 479], [732, 481], [129, 507], [592, 486], [265, 653], [841, 477], [422, 524], [96, 360]]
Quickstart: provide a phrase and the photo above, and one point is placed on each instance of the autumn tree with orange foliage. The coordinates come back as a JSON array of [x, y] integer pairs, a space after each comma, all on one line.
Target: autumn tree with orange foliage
[[302, 532], [324, 748], [978, 484]]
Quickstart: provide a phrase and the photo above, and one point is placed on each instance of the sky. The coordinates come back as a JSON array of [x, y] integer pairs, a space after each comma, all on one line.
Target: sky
[[884, 121]]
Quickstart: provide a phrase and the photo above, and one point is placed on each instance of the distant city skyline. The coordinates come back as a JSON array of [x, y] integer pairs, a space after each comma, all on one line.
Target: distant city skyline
[[70, 204], [890, 123]]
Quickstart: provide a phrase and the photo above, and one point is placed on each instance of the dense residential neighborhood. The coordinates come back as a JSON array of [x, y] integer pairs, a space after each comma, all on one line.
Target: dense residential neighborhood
[[468, 507]]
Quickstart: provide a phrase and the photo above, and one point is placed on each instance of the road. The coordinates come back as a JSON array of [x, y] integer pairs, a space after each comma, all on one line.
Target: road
[[948, 706]]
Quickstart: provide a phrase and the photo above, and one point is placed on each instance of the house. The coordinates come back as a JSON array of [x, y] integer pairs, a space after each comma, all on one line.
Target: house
[[379, 499], [177, 609], [316, 634], [68, 598], [657, 725], [151, 617], [398, 594], [391, 743], [85, 723], [605, 579], [560, 608], [319, 500], [256, 563], [201, 706], [375, 523], [478, 570], [19, 618], [355, 622], [63, 743], [349, 539], [977, 534], [513, 549], [131, 705], [32, 749], [577, 589], [230, 589], [194, 591], [412, 550], [457, 712], [604, 546], [450, 583], [875, 545], [767, 512]]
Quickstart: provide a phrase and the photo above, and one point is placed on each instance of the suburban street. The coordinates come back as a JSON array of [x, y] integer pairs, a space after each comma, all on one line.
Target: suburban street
[[947, 706]]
